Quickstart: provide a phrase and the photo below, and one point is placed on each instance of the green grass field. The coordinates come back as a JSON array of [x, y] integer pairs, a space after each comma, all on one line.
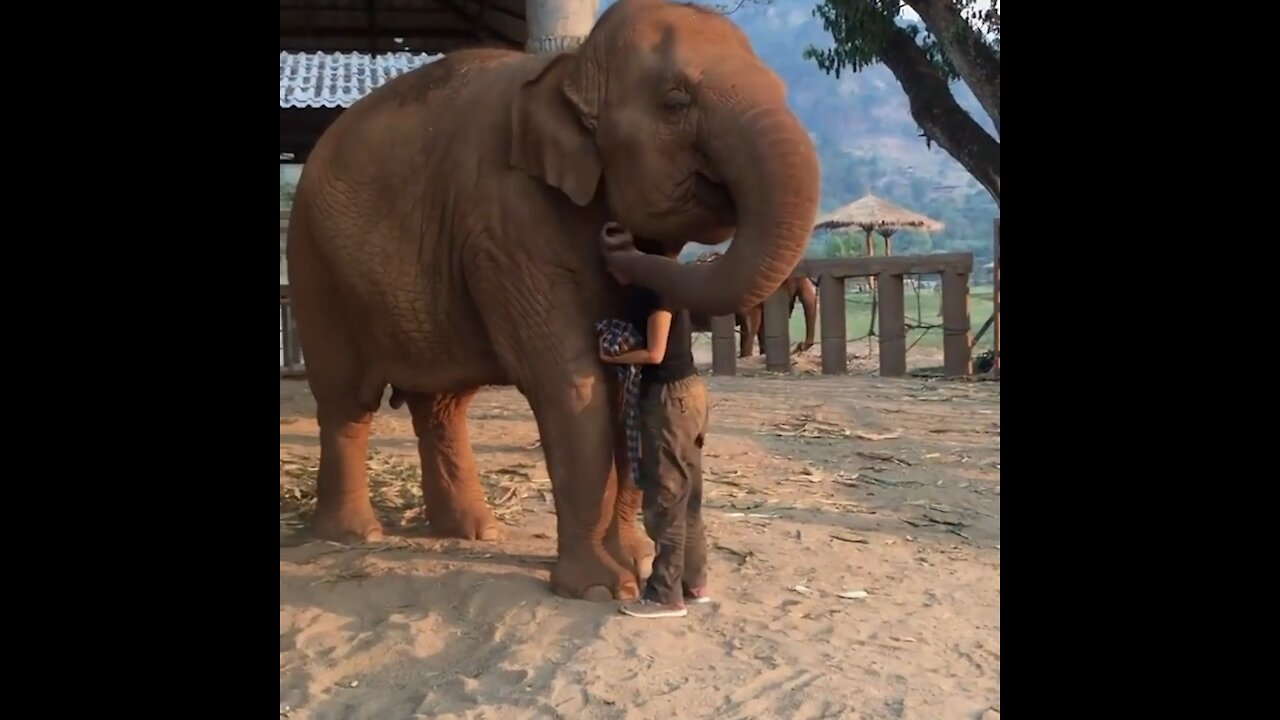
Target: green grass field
[[922, 308]]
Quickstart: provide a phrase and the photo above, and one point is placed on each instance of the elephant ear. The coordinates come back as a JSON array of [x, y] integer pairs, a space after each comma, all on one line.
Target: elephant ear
[[549, 138]]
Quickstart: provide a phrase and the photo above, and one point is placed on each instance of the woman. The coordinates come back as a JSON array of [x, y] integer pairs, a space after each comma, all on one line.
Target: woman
[[673, 424]]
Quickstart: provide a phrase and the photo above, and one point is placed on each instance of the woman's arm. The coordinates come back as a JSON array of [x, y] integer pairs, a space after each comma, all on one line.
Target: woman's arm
[[659, 326]]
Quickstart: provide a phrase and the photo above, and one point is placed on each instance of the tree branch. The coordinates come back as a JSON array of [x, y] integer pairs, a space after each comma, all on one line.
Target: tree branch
[[974, 60], [938, 114]]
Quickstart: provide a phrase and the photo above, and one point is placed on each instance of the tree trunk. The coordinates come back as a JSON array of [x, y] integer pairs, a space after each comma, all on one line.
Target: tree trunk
[[938, 114], [972, 58]]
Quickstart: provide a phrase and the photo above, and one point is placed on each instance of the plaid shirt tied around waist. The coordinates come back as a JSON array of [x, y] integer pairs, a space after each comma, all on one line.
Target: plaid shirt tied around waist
[[618, 337]]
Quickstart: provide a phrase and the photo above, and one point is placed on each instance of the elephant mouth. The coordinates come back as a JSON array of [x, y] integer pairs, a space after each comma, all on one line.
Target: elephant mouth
[[714, 197]]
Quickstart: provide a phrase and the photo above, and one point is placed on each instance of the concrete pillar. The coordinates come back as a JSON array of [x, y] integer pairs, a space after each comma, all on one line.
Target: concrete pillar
[[558, 25]]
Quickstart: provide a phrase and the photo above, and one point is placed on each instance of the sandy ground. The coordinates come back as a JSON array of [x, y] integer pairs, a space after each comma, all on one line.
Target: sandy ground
[[815, 487]]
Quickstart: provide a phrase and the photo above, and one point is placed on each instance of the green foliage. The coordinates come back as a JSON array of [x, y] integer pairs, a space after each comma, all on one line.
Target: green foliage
[[843, 244], [852, 242], [923, 307], [866, 139], [289, 174], [860, 27]]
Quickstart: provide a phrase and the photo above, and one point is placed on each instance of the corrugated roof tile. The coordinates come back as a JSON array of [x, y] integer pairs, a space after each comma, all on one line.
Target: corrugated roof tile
[[333, 80]]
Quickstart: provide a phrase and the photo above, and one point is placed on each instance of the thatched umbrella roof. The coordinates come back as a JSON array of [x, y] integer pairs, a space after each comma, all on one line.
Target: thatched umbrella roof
[[873, 213]]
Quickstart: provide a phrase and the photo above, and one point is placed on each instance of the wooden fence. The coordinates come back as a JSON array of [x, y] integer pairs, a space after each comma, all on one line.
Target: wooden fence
[[954, 268], [290, 351], [995, 299]]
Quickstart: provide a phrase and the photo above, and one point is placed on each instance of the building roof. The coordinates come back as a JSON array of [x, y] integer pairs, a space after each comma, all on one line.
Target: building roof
[[378, 26], [336, 80]]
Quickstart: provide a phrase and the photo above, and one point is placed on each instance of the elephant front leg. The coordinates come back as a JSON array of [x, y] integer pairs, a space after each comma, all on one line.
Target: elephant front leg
[[626, 539], [455, 501], [577, 438], [536, 321]]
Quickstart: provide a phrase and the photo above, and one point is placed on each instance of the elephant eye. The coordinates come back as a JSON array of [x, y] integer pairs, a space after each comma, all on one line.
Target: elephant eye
[[676, 99]]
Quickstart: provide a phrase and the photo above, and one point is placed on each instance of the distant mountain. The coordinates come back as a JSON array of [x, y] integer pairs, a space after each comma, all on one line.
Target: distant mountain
[[866, 139]]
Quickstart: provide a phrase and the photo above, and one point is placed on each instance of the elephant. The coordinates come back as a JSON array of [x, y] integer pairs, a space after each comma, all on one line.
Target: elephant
[[446, 236], [750, 322]]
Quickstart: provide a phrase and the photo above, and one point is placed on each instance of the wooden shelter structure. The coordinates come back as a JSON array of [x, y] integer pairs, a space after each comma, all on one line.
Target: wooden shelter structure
[[874, 214], [382, 26], [333, 52]]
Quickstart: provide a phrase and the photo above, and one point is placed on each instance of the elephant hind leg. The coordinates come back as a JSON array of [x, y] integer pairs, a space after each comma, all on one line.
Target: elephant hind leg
[[343, 512], [751, 322], [455, 501], [343, 408], [756, 315]]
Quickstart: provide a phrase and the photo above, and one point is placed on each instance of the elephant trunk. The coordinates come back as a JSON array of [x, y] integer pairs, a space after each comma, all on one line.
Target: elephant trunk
[[771, 170]]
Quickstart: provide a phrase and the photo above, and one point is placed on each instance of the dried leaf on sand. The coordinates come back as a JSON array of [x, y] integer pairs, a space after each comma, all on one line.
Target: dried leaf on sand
[[395, 489], [865, 435], [882, 456], [807, 426], [742, 555]]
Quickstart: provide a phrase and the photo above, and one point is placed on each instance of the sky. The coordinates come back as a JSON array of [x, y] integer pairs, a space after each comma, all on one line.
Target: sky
[[906, 11]]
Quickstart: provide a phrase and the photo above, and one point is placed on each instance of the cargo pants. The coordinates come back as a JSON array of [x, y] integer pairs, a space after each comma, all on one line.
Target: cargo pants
[[673, 426]]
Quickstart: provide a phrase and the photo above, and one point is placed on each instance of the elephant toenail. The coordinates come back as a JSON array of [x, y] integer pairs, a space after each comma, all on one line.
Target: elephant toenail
[[644, 567]]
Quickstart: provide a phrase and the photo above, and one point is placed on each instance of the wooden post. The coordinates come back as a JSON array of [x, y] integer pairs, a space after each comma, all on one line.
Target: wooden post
[[558, 25], [295, 360], [831, 321], [893, 325], [286, 336], [995, 300], [956, 358], [284, 242], [871, 281], [777, 332], [724, 350]]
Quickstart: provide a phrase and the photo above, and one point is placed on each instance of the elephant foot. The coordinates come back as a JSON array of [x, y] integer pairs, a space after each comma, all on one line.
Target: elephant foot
[[347, 526], [634, 552], [467, 523], [593, 576]]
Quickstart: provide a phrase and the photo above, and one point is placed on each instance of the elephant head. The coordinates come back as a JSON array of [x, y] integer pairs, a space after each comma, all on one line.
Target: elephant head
[[667, 115]]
